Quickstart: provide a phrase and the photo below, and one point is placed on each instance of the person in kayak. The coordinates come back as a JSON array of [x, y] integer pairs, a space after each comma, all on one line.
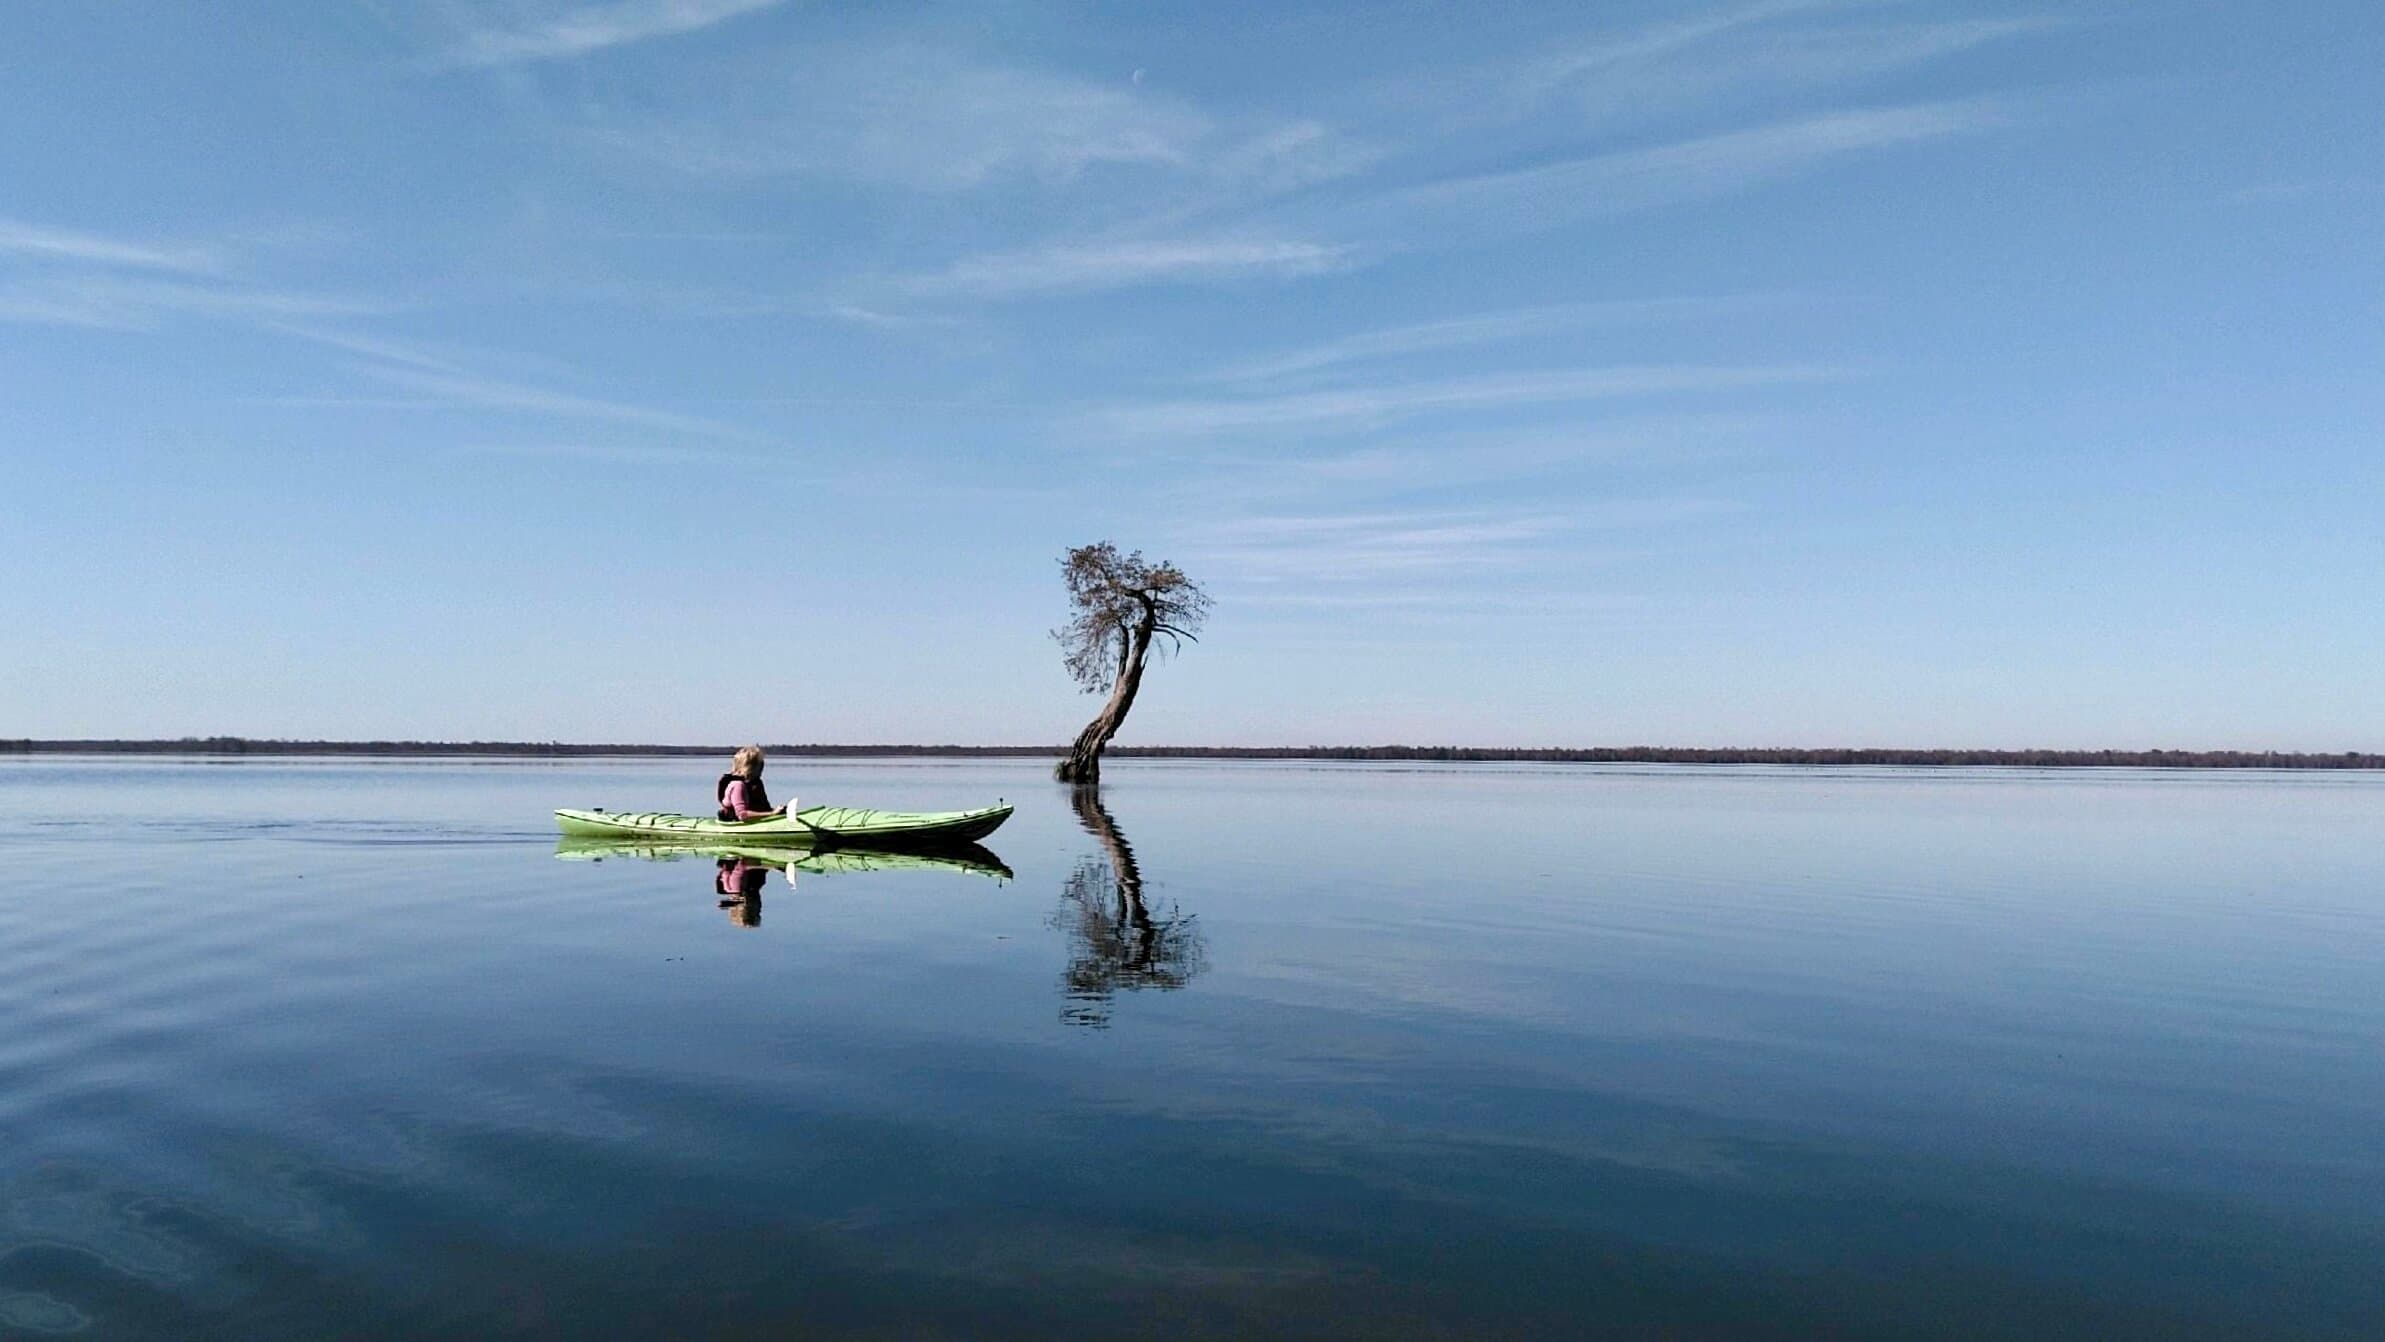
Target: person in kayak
[[740, 791]]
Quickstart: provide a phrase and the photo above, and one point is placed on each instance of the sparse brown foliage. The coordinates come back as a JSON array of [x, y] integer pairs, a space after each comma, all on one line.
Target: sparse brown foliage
[[1122, 604]]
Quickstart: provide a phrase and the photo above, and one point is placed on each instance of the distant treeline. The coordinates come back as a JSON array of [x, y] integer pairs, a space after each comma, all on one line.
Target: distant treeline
[[2030, 759]]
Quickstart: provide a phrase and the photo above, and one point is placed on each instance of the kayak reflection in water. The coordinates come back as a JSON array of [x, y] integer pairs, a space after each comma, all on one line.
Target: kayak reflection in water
[[738, 882], [740, 793]]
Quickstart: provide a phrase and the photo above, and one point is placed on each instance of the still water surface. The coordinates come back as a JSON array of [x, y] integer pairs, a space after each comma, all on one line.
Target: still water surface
[[343, 1049]]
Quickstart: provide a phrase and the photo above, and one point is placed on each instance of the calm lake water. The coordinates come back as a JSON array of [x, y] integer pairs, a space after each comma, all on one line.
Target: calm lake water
[[340, 1049]]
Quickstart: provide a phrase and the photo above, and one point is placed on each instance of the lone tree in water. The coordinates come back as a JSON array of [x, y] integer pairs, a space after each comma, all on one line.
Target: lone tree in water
[[1123, 604]]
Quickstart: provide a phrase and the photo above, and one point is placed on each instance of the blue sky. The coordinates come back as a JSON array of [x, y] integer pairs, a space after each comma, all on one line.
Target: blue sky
[[1723, 373]]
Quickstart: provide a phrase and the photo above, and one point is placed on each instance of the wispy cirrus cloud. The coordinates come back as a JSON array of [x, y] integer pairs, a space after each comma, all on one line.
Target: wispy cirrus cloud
[[616, 454], [408, 353], [437, 386], [1482, 328], [580, 31], [1441, 597], [1701, 65], [1502, 204], [1214, 196], [467, 391], [121, 303], [74, 277], [1474, 456], [1735, 54], [743, 302], [1082, 268], [877, 319], [1287, 157], [1350, 408], [68, 245], [1846, 53], [91, 280], [919, 118], [1361, 548], [1671, 39]]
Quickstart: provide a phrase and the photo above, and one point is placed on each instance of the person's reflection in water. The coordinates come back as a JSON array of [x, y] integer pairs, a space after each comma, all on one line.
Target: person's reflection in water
[[739, 884], [1118, 944]]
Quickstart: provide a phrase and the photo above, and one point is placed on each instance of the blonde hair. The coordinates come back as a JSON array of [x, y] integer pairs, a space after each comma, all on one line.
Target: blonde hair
[[745, 761]]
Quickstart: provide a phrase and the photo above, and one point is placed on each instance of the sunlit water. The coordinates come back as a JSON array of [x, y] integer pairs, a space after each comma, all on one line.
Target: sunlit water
[[317, 1049]]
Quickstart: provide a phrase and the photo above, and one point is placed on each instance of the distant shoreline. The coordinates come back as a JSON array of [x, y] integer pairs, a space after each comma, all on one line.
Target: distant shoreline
[[2029, 759]]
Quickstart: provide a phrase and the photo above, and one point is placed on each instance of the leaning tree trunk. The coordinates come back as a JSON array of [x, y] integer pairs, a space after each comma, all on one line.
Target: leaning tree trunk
[[1083, 765]]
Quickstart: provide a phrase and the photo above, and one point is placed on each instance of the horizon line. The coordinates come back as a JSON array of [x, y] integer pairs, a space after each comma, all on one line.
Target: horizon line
[[2026, 756]]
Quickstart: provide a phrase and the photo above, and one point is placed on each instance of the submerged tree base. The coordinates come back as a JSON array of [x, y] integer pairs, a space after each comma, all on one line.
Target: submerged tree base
[[1082, 766]]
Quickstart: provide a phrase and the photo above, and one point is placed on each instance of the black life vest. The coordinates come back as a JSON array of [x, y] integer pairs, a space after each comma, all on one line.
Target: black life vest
[[757, 798]]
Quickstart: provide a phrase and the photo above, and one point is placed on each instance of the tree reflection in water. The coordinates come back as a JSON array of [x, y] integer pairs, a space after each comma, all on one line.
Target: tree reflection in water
[[1117, 944]]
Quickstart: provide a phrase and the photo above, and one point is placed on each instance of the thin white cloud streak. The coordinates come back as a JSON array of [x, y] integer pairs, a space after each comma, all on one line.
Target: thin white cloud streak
[[1267, 475], [110, 302], [388, 351], [438, 356], [1441, 459], [596, 28], [347, 402], [1656, 74], [920, 119], [1646, 77], [1703, 61], [1484, 328], [723, 236], [1669, 39], [1362, 548], [59, 244], [1082, 269], [90, 294], [1843, 55], [1271, 162], [443, 381], [887, 321], [69, 277], [464, 391], [1323, 526], [1375, 547], [1286, 158], [1463, 527], [1538, 199], [1465, 599], [1117, 160], [614, 454], [735, 303], [1361, 407]]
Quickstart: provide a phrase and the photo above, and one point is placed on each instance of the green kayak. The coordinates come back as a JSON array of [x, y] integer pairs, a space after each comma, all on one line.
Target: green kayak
[[811, 827]]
